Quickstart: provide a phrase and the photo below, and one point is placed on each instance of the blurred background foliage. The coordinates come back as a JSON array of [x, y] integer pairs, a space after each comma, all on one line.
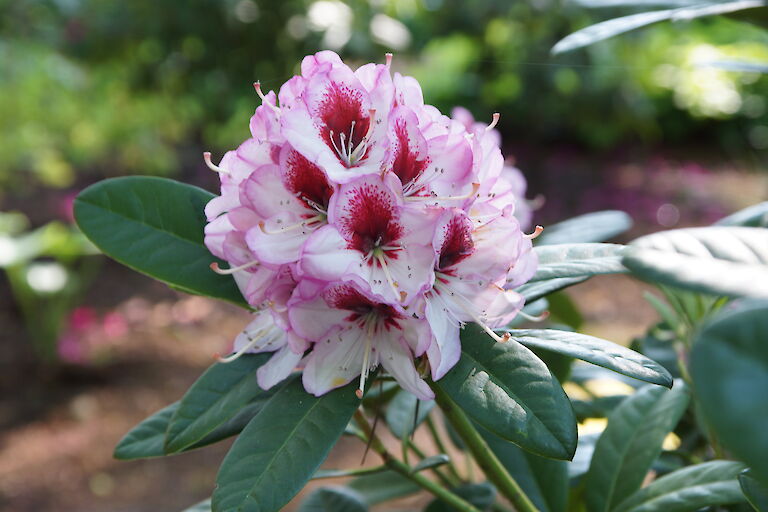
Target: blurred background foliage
[[103, 88]]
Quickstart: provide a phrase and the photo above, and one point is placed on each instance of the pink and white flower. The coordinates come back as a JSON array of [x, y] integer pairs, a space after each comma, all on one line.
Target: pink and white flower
[[366, 228]]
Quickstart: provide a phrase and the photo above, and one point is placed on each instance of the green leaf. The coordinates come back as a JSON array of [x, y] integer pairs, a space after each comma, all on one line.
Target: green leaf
[[587, 228], [545, 481], [610, 28], [715, 260], [401, 413], [578, 260], [384, 486], [431, 462], [505, 388], [480, 495], [729, 367], [596, 351], [755, 492], [215, 398], [631, 443], [203, 506], [155, 226], [333, 499], [146, 439], [538, 289], [598, 407], [689, 489], [282, 447], [755, 216]]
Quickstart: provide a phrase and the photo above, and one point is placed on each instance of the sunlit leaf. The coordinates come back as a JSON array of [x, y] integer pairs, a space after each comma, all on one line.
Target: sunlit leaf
[[508, 390], [715, 260], [596, 351], [587, 228], [578, 260], [631, 443], [203, 506], [753, 216], [690, 488], [155, 226], [610, 28]]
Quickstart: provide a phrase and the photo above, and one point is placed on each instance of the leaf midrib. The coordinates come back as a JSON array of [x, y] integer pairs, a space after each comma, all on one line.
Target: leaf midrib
[[199, 417], [515, 397]]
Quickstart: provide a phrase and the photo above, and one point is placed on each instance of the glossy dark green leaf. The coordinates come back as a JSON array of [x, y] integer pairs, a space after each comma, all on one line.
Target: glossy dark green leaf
[[578, 260], [215, 398], [610, 28], [596, 351], [405, 412], [631, 443], [538, 289], [282, 447], [508, 390], [754, 216], [715, 260], [544, 481], [384, 486], [146, 439], [755, 492], [155, 226], [729, 367], [480, 495], [587, 228], [689, 489], [333, 499]]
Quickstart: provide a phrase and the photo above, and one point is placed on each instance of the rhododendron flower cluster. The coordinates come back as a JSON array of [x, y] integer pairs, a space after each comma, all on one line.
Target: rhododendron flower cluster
[[365, 228]]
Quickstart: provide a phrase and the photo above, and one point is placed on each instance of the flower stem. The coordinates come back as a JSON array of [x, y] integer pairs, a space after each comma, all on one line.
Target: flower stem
[[394, 464], [485, 458]]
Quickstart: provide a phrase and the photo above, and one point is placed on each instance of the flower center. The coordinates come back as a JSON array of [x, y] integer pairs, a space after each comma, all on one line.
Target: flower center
[[346, 128]]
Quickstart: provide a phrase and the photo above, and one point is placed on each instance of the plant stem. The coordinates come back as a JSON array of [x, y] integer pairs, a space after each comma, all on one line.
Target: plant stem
[[485, 458], [441, 447], [440, 492]]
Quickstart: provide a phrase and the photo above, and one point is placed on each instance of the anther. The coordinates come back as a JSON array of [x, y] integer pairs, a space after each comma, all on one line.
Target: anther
[[536, 232], [494, 122], [227, 271], [211, 165], [359, 393], [388, 59]]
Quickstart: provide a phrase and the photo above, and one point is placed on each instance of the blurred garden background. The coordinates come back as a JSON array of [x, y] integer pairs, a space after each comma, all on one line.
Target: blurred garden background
[[650, 122]]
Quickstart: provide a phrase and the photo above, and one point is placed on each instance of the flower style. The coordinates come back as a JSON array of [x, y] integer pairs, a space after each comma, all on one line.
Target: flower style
[[366, 228]]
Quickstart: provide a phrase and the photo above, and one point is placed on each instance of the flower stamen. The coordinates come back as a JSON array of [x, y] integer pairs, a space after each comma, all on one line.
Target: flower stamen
[[494, 122], [275, 108], [227, 271], [211, 165], [536, 232]]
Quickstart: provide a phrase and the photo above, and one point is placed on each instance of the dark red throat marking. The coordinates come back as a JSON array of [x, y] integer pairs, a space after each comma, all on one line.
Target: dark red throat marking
[[405, 164], [306, 180], [457, 244], [370, 221], [348, 298], [338, 109]]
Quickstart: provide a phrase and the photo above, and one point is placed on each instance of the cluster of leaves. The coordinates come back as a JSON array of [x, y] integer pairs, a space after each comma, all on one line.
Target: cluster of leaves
[[506, 408]]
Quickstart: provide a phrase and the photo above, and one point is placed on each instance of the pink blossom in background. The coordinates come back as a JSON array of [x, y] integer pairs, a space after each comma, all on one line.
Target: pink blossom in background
[[366, 228]]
